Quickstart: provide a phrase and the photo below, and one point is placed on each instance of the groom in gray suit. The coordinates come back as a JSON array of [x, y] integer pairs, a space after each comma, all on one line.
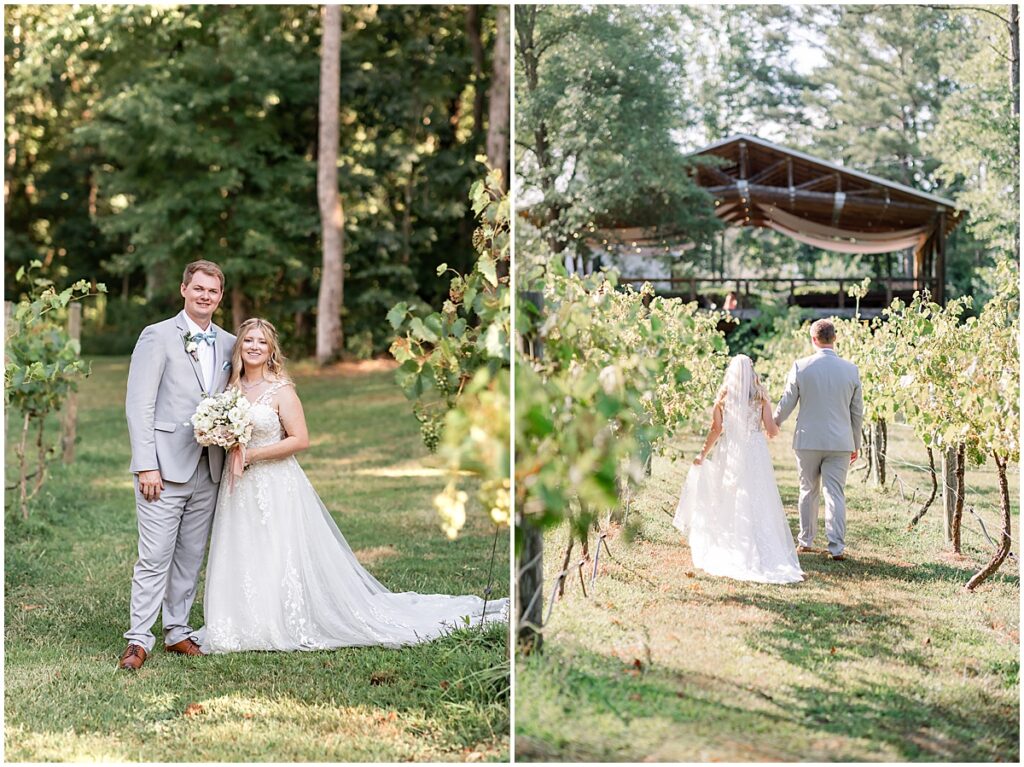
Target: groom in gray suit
[[175, 364], [828, 435]]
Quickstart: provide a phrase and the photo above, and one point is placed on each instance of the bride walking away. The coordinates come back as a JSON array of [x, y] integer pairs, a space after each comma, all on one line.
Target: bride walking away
[[730, 508]]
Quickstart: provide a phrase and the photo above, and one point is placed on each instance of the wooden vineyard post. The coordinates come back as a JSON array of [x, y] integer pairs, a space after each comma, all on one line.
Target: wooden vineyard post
[[69, 429], [878, 449], [530, 564], [949, 464], [8, 313]]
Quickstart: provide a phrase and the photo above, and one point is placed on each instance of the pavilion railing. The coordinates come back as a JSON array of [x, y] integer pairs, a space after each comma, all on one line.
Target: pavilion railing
[[693, 287]]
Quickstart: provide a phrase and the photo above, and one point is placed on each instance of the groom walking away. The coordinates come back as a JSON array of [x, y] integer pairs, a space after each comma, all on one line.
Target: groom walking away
[[175, 364], [827, 438]]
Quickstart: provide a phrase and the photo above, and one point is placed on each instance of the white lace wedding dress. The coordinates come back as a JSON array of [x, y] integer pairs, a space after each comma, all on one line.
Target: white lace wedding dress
[[730, 508], [281, 576]]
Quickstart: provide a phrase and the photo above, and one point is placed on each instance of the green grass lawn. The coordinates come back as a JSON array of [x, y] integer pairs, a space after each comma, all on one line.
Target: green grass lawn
[[883, 657], [68, 577]]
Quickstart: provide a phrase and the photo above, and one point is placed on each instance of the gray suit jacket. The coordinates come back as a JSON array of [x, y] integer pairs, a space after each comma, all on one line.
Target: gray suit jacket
[[831, 405], [165, 385]]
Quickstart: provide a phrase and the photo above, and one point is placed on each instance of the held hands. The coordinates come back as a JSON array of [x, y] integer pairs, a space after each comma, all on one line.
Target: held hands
[[151, 484], [698, 460]]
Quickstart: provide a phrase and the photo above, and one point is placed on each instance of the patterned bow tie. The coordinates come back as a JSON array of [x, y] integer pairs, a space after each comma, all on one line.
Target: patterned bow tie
[[210, 337]]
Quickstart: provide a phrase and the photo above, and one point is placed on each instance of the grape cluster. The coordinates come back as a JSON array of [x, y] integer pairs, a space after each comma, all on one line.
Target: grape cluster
[[441, 381], [430, 431]]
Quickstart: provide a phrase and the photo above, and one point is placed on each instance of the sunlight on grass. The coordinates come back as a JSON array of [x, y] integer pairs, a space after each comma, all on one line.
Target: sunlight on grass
[[68, 574], [881, 657], [409, 471], [114, 483], [374, 554]]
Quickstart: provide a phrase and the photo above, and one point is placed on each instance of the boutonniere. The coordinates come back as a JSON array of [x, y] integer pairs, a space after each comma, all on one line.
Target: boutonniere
[[191, 346]]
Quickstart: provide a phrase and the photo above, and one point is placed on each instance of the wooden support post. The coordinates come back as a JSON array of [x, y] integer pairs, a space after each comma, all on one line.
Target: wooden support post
[[940, 260], [8, 313], [949, 465], [70, 420], [693, 289], [530, 564], [842, 296], [878, 450], [530, 588]]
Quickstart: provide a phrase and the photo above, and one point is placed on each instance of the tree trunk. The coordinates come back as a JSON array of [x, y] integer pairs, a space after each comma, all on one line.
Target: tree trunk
[[1004, 541], [958, 511], [238, 310], [1015, 57], [69, 432], [155, 281], [329, 337], [22, 473], [530, 589], [407, 217], [948, 491], [526, 20], [498, 118], [477, 47], [935, 490], [40, 457]]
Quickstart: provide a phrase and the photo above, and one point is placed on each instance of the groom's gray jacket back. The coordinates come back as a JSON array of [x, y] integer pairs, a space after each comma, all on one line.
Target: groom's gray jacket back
[[165, 385], [831, 405]]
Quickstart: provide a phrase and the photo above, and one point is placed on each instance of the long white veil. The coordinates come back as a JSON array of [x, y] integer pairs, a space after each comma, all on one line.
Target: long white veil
[[741, 398]]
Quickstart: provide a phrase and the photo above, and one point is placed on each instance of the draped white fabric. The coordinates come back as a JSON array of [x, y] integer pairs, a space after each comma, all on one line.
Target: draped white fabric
[[841, 240]]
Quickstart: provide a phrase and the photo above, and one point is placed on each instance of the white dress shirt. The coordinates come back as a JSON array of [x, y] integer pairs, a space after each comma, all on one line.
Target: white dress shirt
[[207, 354]]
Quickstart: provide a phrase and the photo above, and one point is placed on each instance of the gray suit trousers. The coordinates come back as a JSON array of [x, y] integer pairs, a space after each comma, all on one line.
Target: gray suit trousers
[[823, 469], [173, 532]]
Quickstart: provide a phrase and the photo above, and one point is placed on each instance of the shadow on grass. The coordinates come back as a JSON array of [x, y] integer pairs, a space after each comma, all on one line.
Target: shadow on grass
[[813, 635], [606, 698], [959, 730], [582, 706]]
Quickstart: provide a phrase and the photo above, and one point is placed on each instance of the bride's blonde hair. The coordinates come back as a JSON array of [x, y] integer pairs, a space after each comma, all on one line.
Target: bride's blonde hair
[[275, 362], [759, 392]]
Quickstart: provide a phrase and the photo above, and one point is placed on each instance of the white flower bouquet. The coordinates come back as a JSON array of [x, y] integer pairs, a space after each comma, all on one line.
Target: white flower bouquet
[[223, 420]]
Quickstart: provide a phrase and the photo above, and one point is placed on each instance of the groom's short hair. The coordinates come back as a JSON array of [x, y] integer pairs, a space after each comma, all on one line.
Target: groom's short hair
[[207, 267], [824, 331]]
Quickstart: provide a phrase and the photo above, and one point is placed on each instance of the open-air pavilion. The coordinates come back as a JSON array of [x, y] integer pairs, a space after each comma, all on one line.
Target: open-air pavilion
[[762, 184]]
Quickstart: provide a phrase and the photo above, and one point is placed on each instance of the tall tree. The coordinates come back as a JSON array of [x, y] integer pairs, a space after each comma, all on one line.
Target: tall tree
[[879, 93], [977, 134], [597, 113], [741, 78], [185, 170], [498, 117], [329, 337]]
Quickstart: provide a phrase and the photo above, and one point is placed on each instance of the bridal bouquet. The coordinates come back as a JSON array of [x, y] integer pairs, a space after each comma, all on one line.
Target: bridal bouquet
[[223, 420]]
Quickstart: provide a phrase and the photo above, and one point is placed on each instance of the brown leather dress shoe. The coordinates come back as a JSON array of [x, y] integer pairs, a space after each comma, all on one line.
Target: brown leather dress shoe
[[803, 549], [838, 557], [184, 647], [132, 658]]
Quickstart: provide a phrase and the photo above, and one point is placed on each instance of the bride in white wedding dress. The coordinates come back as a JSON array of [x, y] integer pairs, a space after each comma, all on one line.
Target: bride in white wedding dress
[[280, 575], [730, 507]]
